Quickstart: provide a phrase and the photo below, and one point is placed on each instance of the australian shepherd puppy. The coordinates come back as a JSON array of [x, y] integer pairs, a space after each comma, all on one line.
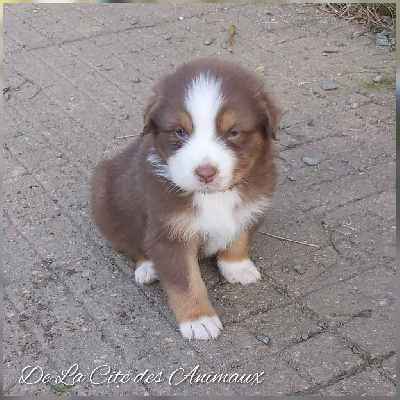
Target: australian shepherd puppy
[[197, 183]]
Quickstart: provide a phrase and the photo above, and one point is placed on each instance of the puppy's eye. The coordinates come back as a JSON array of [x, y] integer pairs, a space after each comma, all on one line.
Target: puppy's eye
[[232, 134], [180, 132]]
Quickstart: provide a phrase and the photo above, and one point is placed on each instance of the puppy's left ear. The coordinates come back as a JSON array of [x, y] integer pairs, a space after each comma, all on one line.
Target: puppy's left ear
[[271, 114]]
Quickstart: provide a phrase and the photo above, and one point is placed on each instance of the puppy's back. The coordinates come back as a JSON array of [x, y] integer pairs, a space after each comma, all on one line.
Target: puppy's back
[[101, 199], [116, 204]]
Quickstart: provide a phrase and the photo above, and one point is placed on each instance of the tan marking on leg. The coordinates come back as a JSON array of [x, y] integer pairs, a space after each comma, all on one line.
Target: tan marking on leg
[[193, 303], [141, 260], [237, 250]]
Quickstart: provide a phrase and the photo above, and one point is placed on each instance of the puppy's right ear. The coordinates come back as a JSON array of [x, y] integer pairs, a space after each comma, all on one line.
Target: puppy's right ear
[[149, 114], [148, 117]]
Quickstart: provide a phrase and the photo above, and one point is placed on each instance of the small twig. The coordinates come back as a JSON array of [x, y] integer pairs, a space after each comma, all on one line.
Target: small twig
[[126, 136], [289, 240], [348, 224], [232, 33], [36, 93]]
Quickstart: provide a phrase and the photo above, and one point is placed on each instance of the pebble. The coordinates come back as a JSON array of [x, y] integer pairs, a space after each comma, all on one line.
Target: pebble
[[134, 21], [23, 317], [329, 85], [18, 171], [364, 313], [41, 306], [385, 38], [284, 125], [263, 338], [345, 133], [267, 28], [300, 269], [377, 78], [339, 43], [310, 161], [322, 323], [235, 365], [208, 40], [353, 105], [355, 348], [6, 96], [135, 80], [304, 336], [124, 116], [291, 178]]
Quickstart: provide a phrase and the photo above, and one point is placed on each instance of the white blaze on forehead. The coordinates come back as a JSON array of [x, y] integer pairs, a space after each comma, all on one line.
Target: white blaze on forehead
[[203, 101]]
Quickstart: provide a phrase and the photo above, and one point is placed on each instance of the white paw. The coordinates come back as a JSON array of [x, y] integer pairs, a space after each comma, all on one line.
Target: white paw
[[243, 272], [205, 328], [145, 273]]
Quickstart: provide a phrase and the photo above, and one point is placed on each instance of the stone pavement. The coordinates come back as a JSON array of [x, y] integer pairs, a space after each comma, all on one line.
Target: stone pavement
[[322, 319]]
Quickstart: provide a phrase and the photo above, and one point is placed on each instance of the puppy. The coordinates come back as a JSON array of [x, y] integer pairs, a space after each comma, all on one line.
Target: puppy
[[197, 183]]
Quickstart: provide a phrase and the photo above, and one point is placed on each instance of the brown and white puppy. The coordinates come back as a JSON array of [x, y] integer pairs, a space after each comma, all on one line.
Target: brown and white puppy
[[197, 183]]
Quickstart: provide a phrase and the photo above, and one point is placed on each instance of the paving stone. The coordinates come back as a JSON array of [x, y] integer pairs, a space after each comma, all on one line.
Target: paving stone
[[348, 246], [279, 379], [366, 331], [284, 325], [321, 358], [337, 301], [363, 215], [365, 383], [376, 284]]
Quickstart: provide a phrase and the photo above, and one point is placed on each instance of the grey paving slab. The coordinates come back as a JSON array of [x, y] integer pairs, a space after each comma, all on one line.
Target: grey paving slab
[[364, 331], [321, 320], [321, 357], [280, 378], [366, 383]]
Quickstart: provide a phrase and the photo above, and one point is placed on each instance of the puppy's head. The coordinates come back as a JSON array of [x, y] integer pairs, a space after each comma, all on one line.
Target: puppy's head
[[211, 121]]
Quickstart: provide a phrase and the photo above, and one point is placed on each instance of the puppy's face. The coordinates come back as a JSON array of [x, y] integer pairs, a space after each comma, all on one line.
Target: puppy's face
[[211, 122]]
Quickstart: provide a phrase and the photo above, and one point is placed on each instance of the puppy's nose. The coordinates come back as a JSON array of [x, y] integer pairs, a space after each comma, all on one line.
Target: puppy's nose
[[206, 173]]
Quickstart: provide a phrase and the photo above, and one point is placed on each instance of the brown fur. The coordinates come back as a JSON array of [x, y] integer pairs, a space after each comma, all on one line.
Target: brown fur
[[146, 217]]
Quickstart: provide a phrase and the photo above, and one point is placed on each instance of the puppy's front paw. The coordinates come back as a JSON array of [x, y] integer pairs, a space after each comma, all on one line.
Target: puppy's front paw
[[243, 272], [145, 273], [204, 328]]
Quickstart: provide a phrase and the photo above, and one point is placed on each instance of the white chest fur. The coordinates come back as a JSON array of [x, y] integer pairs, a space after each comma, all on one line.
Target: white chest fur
[[221, 216]]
